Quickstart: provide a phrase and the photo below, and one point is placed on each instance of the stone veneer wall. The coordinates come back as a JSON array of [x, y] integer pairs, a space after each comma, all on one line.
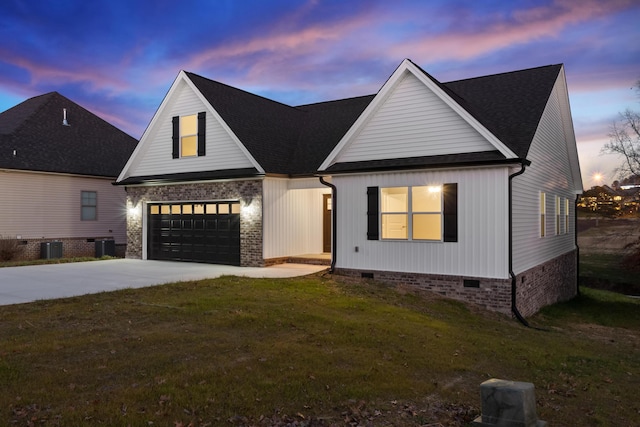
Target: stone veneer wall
[[243, 190], [546, 284]]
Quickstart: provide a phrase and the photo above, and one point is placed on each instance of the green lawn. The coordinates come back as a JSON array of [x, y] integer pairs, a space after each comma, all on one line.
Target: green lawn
[[316, 351]]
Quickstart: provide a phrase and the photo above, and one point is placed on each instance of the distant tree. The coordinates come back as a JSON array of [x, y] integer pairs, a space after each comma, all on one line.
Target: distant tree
[[625, 140]]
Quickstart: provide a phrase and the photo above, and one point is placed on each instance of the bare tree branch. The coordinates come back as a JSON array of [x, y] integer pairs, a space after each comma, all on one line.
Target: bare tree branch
[[625, 141]]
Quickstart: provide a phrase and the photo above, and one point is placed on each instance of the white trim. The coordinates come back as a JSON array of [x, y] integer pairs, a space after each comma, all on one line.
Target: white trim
[[3, 170]]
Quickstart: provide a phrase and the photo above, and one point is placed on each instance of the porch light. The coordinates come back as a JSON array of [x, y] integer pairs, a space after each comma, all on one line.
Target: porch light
[[134, 211]]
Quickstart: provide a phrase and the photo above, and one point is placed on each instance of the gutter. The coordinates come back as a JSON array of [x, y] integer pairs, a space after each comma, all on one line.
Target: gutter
[[334, 222], [514, 306]]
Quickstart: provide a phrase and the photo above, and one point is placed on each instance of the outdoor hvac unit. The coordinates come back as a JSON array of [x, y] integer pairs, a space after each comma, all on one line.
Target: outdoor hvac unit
[[49, 250], [105, 247]]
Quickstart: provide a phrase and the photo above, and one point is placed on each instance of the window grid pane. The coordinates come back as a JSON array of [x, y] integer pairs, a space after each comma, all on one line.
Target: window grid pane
[[426, 199], [427, 227], [394, 226], [89, 203], [394, 199]]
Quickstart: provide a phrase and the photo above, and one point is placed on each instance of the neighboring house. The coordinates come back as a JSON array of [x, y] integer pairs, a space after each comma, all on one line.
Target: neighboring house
[[466, 188], [58, 162]]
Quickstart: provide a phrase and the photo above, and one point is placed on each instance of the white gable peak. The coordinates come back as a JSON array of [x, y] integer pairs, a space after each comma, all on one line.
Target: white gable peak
[[412, 116]]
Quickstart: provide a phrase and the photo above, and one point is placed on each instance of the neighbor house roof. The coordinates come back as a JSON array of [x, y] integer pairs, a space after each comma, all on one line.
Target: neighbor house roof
[[34, 138]]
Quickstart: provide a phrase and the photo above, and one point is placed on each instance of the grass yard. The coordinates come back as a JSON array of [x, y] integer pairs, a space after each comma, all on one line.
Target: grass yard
[[315, 351]]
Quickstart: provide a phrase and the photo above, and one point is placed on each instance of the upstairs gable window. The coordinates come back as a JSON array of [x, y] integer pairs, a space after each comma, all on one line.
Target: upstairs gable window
[[189, 135]]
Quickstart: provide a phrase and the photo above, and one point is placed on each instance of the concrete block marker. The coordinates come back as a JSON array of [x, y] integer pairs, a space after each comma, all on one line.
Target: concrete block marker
[[508, 404]]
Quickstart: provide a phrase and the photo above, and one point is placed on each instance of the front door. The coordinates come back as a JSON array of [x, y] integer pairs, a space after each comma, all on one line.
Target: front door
[[326, 222]]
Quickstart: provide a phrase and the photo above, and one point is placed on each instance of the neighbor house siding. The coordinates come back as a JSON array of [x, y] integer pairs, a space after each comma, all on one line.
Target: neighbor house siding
[[39, 205], [155, 157], [292, 217], [549, 172], [481, 250], [413, 122]]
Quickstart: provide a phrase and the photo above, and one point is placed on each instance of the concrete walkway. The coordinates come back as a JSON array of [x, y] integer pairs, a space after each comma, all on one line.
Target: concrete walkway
[[38, 282]]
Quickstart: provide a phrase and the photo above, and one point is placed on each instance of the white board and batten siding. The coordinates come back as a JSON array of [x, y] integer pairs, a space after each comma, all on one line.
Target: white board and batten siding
[[413, 122], [481, 250], [292, 216], [38, 205], [155, 153], [550, 172]]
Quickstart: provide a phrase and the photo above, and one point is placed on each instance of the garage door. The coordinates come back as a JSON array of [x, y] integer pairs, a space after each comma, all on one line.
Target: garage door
[[196, 232]]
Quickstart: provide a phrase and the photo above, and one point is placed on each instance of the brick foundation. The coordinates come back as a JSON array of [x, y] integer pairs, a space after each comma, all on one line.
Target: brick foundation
[[493, 294], [244, 190], [543, 285], [546, 284]]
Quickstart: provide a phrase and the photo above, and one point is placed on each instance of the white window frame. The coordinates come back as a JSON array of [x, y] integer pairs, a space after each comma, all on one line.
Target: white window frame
[[557, 219], [543, 214], [566, 216], [409, 213]]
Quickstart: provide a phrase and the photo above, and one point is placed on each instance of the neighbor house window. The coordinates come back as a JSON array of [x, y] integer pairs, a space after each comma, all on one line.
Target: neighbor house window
[[566, 216], [543, 210], [411, 212], [557, 215], [89, 206], [189, 135]]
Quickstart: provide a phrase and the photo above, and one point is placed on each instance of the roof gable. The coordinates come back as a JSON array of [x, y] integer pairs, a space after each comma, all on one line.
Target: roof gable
[[153, 157], [33, 137], [413, 96]]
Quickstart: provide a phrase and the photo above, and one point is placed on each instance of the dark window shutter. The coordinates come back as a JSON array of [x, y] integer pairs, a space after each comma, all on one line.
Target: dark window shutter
[[373, 228], [201, 133], [450, 212], [176, 137]]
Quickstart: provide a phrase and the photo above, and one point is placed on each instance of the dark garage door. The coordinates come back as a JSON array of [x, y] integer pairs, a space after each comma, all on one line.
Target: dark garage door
[[196, 232]]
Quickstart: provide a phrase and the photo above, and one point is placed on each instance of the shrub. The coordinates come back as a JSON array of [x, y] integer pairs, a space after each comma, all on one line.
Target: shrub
[[10, 248]]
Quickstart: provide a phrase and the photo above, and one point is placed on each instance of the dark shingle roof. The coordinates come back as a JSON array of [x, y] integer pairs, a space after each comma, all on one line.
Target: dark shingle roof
[[283, 139], [33, 130], [509, 105], [296, 140], [268, 129]]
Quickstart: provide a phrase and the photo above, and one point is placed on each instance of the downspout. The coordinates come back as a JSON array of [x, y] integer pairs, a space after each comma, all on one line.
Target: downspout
[[334, 222], [575, 235], [514, 307]]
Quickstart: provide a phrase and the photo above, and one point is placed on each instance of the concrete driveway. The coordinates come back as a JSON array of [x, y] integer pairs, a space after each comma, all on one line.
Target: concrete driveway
[[31, 283]]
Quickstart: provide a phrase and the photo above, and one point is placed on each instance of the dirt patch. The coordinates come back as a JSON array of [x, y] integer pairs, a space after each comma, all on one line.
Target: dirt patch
[[606, 235]]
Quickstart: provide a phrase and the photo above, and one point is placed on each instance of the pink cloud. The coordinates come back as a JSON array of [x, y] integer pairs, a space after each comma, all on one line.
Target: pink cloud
[[523, 27], [43, 74]]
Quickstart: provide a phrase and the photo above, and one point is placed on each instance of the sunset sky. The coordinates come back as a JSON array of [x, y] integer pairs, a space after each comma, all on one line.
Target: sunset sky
[[118, 58]]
